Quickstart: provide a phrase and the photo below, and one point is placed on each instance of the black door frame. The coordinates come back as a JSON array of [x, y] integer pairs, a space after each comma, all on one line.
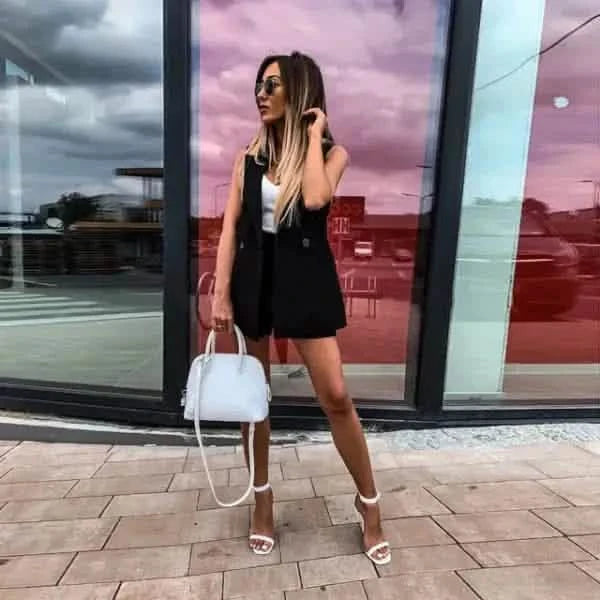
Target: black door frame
[[177, 193], [438, 241]]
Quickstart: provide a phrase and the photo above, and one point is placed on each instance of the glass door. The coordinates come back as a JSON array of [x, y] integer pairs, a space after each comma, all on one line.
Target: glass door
[[81, 204], [383, 65]]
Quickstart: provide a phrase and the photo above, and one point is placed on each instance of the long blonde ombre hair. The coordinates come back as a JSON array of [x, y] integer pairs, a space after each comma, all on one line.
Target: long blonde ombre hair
[[304, 88]]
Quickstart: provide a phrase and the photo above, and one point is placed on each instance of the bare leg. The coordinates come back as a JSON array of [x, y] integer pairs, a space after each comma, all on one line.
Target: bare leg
[[324, 363], [262, 521]]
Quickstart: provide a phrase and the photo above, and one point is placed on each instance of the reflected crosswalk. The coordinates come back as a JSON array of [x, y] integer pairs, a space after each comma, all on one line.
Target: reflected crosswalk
[[25, 307]]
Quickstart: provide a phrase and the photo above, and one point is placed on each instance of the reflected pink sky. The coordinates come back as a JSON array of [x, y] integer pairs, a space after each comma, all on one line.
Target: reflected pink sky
[[381, 65], [565, 143], [378, 65]]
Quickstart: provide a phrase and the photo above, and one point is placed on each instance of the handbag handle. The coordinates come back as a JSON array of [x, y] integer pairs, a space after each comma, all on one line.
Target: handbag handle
[[209, 350], [241, 342]]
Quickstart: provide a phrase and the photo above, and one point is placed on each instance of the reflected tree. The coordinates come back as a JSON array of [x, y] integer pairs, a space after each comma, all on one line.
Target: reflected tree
[[74, 207]]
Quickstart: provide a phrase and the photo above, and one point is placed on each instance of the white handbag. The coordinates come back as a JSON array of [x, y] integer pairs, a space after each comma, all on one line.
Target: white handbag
[[230, 388]]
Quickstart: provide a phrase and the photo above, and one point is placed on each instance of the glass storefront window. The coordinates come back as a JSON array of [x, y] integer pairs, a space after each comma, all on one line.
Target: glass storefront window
[[81, 207], [383, 64], [526, 310]]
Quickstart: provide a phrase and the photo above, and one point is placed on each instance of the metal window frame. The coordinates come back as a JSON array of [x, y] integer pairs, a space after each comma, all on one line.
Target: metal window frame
[[431, 340], [432, 292], [177, 191]]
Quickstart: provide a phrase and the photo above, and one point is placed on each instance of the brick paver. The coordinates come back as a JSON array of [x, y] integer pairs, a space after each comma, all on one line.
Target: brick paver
[[85, 522], [591, 543], [338, 569], [546, 582]]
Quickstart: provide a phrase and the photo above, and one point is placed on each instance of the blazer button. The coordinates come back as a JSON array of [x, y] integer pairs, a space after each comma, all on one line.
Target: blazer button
[[305, 242], [241, 245]]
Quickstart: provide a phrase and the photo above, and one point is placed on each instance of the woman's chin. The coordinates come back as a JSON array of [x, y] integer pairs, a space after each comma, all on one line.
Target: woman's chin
[[268, 119]]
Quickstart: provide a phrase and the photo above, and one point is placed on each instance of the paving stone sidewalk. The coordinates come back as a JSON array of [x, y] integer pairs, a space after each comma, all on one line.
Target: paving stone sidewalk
[[101, 522]]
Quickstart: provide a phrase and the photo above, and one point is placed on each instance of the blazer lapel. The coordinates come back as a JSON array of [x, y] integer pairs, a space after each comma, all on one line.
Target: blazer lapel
[[253, 194]]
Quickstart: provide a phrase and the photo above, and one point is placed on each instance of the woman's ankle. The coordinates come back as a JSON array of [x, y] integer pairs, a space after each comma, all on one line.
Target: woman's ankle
[[261, 488]]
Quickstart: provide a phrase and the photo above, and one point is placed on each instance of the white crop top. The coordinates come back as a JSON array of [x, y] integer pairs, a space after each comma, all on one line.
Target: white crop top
[[270, 191]]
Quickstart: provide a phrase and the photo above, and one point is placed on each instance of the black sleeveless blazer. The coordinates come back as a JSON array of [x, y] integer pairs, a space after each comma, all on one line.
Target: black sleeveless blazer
[[307, 300]]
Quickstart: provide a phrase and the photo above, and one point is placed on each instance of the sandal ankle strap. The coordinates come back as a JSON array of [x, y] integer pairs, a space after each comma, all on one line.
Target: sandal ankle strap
[[370, 500], [262, 488]]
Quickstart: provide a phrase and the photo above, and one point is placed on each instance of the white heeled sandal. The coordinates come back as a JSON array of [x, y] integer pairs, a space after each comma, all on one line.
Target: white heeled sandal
[[372, 551], [262, 538]]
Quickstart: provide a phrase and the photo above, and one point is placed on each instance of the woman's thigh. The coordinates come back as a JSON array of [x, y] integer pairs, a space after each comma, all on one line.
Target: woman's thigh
[[260, 349], [323, 360]]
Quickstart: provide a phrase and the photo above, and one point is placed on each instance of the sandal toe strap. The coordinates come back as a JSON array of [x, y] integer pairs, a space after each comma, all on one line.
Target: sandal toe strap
[[262, 538], [377, 547]]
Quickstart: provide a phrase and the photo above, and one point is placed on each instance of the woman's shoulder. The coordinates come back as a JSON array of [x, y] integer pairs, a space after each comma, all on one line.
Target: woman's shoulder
[[338, 151], [249, 152], [241, 159]]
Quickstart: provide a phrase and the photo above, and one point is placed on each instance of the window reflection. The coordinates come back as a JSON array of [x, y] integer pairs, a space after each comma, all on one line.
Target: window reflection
[[81, 193], [556, 291], [526, 314], [383, 66]]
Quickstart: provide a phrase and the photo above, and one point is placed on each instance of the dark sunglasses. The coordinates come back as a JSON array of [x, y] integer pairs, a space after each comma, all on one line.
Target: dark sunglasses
[[269, 85]]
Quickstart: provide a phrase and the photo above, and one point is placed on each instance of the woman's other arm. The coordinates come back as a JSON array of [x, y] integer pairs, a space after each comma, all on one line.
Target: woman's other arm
[[222, 313]]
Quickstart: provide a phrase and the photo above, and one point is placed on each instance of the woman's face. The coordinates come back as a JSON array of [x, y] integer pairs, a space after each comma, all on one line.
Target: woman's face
[[270, 95]]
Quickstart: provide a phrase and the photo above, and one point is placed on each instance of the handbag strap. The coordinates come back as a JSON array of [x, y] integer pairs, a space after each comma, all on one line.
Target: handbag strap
[[241, 342], [204, 363]]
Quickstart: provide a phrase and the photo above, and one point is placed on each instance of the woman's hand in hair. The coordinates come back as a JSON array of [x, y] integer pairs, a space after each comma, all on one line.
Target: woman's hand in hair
[[318, 126]]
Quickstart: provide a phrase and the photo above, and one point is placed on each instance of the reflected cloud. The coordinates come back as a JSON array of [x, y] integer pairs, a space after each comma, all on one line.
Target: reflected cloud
[[380, 60], [562, 140], [91, 41], [94, 92]]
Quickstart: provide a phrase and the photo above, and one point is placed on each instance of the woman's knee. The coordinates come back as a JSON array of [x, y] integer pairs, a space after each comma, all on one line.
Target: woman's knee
[[260, 350], [336, 402]]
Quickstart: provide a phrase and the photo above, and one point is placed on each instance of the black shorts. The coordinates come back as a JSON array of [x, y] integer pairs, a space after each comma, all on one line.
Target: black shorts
[[266, 320]]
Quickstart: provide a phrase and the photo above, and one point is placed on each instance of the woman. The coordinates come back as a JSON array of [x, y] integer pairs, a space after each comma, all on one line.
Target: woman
[[275, 271]]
